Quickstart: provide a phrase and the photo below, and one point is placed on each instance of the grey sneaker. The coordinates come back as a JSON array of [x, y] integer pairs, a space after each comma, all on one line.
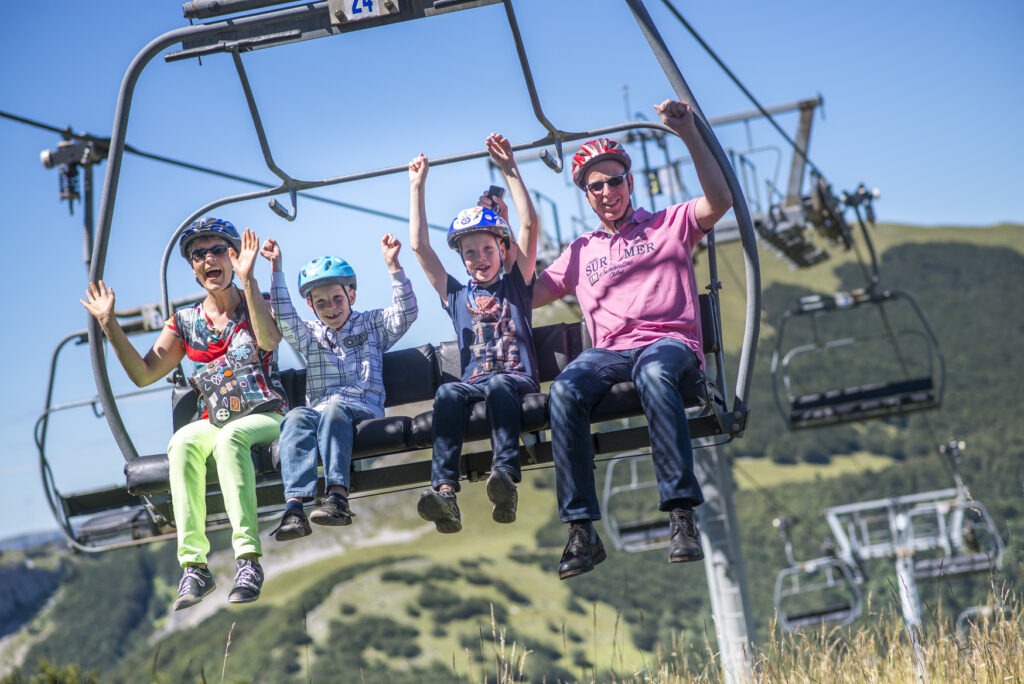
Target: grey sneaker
[[501, 490], [195, 584], [441, 509], [334, 511], [293, 525], [248, 582]]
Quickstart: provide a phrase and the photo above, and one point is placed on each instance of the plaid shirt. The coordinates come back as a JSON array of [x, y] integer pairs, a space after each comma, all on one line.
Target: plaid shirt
[[346, 364]]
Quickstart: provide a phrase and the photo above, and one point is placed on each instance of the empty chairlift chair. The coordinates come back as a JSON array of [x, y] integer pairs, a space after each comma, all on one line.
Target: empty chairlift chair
[[630, 523], [816, 591], [860, 355]]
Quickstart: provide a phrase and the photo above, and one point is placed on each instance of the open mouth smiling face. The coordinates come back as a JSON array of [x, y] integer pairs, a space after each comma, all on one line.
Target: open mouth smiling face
[[212, 269], [482, 256]]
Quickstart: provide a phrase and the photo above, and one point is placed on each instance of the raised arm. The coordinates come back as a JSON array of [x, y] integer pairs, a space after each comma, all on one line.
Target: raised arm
[[717, 199], [263, 327], [293, 329], [500, 150], [167, 351], [403, 310], [418, 238]]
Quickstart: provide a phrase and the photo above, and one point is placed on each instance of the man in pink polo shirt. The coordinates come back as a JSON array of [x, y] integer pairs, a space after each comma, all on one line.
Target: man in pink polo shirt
[[633, 277]]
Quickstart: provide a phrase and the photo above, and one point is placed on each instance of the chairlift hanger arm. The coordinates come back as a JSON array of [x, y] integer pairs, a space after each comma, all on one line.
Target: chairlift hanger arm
[[745, 369]]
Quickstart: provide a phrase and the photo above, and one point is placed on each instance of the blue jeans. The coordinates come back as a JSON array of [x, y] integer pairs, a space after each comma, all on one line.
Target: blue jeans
[[454, 400], [660, 371], [307, 434]]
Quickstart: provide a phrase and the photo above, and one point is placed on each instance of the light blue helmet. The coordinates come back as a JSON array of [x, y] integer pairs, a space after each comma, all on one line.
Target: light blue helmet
[[325, 270], [478, 220], [209, 227]]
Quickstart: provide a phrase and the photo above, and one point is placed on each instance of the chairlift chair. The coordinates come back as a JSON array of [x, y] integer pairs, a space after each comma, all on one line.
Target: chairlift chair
[[974, 616], [415, 373], [816, 591], [907, 361], [968, 542], [106, 517], [641, 529]]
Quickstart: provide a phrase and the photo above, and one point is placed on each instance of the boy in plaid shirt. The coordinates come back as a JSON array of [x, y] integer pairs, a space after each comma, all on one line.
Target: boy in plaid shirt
[[344, 352]]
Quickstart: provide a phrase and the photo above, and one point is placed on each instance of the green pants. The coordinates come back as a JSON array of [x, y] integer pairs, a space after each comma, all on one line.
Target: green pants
[[230, 445]]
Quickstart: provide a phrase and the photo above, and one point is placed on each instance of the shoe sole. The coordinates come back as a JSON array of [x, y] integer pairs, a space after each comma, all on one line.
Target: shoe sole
[[329, 520], [283, 535], [429, 508], [503, 494], [602, 554], [687, 559], [235, 599]]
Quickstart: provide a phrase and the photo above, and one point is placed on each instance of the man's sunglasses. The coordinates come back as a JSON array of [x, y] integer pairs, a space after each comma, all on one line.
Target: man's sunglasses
[[614, 182], [200, 253]]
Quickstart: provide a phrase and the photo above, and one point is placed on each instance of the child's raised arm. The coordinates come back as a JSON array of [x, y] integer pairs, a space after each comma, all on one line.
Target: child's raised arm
[[525, 255], [271, 251], [418, 238]]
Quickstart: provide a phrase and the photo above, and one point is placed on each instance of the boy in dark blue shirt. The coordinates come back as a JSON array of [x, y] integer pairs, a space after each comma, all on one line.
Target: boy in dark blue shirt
[[492, 315]]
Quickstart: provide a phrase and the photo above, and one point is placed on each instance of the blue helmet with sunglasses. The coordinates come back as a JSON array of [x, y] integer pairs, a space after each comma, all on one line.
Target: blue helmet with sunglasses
[[325, 270], [209, 227]]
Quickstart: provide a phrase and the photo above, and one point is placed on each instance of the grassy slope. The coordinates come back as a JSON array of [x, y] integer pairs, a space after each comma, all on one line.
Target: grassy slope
[[483, 540]]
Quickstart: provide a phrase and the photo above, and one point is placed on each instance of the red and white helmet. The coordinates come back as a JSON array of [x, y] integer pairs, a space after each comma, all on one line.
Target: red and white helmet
[[593, 152]]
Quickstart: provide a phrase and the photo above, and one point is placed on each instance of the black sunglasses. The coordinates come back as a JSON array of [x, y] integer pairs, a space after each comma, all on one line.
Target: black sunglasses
[[613, 182], [200, 253]]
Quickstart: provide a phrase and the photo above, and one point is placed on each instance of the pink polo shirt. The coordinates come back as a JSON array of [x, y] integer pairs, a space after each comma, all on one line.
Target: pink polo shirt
[[636, 286]]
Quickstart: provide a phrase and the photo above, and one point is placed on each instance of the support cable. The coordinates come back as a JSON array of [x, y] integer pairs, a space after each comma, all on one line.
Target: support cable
[[733, 77], [86, 137]]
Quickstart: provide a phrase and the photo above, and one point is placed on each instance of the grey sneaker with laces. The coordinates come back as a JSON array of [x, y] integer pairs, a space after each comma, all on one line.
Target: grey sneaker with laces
[[441, 509], [248, 582], [194, 585]]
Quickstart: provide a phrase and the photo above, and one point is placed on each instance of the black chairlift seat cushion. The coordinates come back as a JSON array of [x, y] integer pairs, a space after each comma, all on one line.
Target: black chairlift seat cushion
[[865, 399], [413, 375], [409, 375]]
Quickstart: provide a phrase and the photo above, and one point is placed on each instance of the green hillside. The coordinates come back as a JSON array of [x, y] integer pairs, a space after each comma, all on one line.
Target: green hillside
[[420, 608]]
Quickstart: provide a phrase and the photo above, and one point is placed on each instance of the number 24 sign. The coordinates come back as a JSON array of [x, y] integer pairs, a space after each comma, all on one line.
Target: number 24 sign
[[354, 10]]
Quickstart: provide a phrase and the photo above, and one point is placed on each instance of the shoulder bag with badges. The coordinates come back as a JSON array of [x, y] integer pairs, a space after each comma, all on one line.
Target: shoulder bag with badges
[[235, 385]]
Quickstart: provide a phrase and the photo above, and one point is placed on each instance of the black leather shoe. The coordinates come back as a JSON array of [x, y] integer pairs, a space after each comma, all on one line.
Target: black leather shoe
[[583, 551], [684, 545]]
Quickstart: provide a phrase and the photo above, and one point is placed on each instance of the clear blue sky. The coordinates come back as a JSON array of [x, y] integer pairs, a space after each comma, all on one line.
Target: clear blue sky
[[922, 100]]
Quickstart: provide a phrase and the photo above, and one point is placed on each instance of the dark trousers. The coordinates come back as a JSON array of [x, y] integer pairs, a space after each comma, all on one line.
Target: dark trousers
[[454, 400], [660, 371]]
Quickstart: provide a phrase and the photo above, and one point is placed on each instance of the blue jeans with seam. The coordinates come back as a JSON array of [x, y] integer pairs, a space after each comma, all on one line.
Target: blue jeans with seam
[[308, 434], [660, 371], [503, 393]]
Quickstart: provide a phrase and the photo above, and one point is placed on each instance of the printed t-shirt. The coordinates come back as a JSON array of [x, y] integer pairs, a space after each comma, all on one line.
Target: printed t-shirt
[[493, 326], [635, 286]]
